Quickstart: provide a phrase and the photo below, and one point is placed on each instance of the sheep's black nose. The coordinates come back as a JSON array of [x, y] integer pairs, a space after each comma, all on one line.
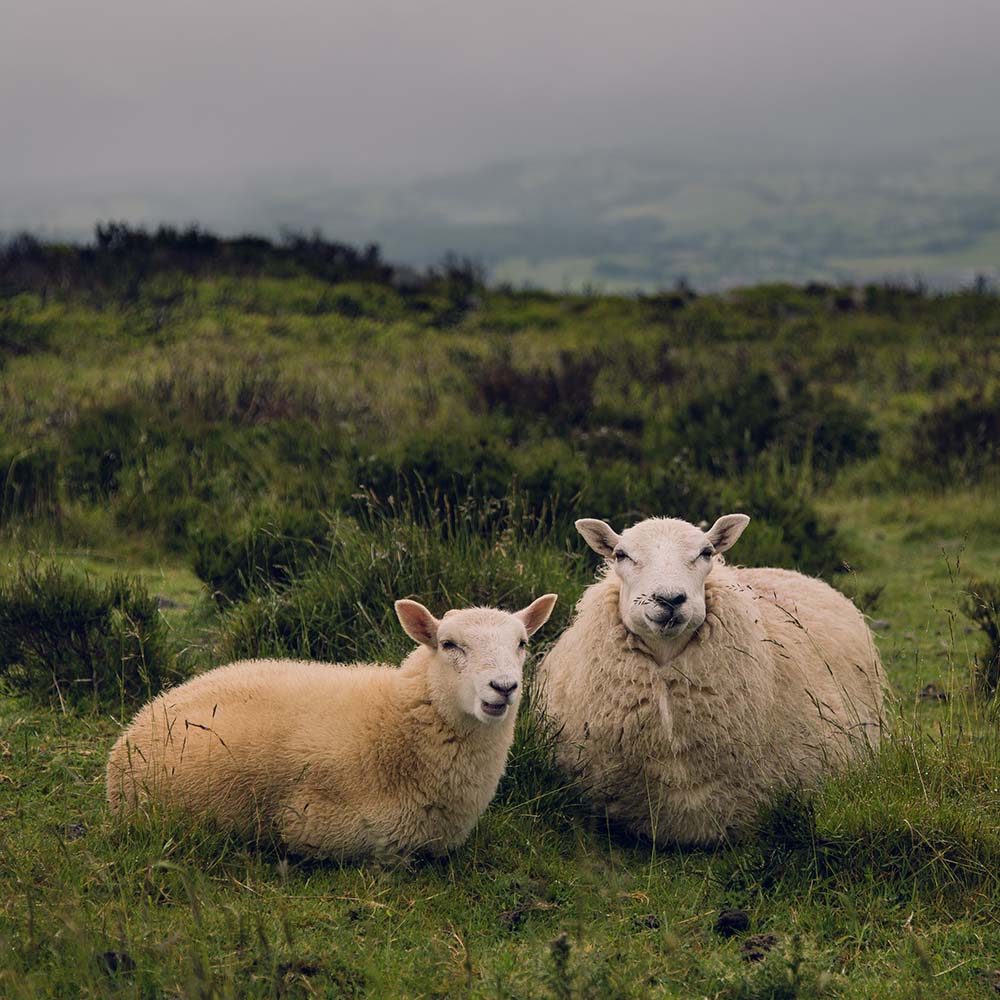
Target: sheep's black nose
[[670, 600], [505, 689]]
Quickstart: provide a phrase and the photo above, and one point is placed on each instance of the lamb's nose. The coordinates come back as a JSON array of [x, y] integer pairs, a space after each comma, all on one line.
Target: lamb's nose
[[670, 600], [504, 688]]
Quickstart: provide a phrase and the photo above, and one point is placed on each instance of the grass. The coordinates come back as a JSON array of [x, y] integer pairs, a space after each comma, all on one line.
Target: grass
[[318, 457]]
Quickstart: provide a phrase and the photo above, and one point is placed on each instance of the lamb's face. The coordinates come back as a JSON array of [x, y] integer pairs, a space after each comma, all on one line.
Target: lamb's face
[[662, 564], [478, 654]]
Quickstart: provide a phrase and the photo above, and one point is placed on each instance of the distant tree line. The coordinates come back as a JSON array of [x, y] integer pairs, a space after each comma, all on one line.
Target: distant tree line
[[121, 257]]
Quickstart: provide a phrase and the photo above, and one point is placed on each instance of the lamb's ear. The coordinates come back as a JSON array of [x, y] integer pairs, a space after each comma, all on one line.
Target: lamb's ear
[[724, 533], [418, 623], [599, 535], [536, 614]]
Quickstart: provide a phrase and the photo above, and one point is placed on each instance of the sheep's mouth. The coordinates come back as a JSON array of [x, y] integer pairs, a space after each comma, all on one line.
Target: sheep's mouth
[[668, 624], [494, 709]]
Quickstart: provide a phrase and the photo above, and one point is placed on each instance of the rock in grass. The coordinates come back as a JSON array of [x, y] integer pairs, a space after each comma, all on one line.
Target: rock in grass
[[757, 946], [732, 922], [932, 693]]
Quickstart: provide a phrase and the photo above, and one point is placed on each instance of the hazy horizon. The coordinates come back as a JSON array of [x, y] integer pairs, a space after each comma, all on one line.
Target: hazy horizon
[[343, 117]]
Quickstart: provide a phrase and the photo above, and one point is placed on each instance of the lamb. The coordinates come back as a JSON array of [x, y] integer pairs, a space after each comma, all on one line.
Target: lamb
[[690, 692], [340, 761]]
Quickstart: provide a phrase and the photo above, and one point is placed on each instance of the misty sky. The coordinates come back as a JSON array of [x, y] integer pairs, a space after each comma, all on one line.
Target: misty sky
[[398, 88]]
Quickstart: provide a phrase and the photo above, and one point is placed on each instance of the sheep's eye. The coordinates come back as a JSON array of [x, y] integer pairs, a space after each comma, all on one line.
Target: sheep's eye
[[621, 556], [449, 645], [523, 644], [706, 552]]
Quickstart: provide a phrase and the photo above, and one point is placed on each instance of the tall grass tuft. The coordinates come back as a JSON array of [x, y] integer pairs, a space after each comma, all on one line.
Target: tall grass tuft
[[341, 606]]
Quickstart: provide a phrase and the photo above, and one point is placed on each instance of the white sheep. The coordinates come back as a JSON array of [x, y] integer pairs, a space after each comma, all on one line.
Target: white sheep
[[690, 692], [335, 760]]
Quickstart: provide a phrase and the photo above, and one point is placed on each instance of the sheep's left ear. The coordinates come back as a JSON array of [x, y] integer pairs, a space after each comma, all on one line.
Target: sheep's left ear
[[599, 535], [536, 614], [418, 623], [724, 533]]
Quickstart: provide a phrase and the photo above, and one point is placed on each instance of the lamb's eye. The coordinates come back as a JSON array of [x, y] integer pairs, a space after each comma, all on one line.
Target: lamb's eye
[[523, 644], [449, 645], [705, 553], [622, 556]]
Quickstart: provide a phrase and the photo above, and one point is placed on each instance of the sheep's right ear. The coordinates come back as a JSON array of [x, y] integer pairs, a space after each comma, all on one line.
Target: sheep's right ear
[[418, 623], [599, 535], [536, 614]]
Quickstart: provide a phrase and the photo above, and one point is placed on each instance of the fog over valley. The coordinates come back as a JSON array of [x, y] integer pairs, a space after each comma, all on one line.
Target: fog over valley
[[561, 145]]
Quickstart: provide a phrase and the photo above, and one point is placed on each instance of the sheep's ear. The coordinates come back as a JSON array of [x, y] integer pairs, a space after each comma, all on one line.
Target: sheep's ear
[[536, 614], [724, 533], [418, 623], [599, 535]]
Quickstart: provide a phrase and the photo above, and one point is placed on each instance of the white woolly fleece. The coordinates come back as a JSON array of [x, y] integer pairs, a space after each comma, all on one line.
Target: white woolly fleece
[[781, 683]]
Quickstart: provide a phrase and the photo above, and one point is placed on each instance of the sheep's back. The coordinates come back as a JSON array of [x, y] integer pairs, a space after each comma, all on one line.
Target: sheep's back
[[228, 743], [827, 667]]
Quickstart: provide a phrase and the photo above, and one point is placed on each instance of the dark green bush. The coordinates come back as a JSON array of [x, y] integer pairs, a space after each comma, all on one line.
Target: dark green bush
[[64, 637], [29, 482], [268, 551], [729, 428], [786, 529], [99, 445], [450, 464], [982, 607], [958, 441]]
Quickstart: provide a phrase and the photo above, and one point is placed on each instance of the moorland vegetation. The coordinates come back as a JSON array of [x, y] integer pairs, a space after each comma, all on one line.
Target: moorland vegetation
[[215, 448]]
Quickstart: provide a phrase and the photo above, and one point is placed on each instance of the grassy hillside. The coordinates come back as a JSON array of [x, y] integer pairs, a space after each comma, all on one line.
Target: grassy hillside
[[213, 449]]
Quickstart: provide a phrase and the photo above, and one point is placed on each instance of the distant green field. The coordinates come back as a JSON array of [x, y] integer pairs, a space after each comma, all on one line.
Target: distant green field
[[278, 445]]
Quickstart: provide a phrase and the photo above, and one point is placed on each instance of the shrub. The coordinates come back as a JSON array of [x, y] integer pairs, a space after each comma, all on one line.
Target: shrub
[[730, 427], [29, 482], [66, 637], [560, 396], [959, 440], [725, 428], [982, 607], [268, 551], [786, 530], [99, 445], [449, 464]]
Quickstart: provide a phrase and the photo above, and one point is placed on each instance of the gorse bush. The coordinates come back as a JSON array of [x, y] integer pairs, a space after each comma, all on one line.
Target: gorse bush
[[68, 639]]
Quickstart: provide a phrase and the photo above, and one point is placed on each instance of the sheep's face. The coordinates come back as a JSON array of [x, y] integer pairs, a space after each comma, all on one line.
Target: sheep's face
[[662, 564], [478, 655]]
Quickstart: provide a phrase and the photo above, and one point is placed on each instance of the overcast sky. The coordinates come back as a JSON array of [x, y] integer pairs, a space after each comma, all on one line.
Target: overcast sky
[[113, 88]]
